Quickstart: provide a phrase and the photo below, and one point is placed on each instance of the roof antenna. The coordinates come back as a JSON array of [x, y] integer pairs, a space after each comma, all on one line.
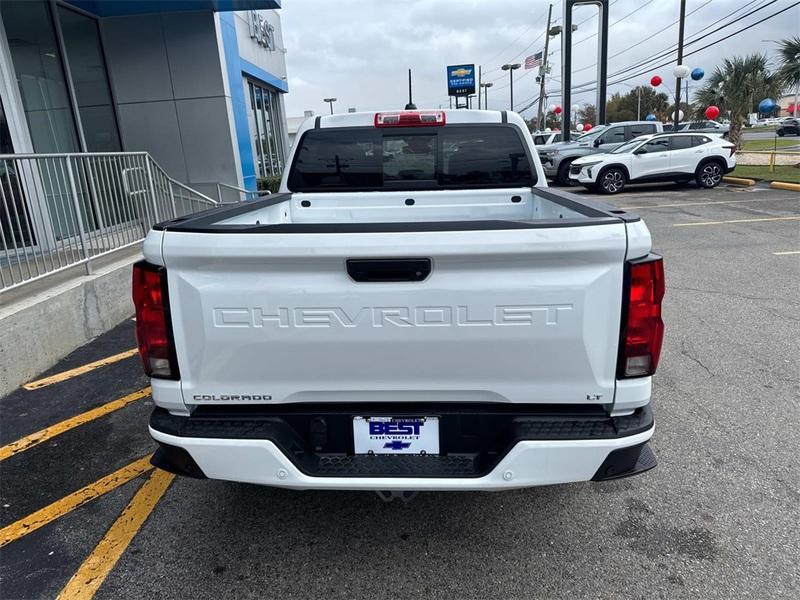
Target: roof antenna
[[410, 105]]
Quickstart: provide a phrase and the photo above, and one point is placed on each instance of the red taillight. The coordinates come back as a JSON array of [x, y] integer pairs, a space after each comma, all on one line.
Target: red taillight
[[153, 327], [642, 327], [422, 118]]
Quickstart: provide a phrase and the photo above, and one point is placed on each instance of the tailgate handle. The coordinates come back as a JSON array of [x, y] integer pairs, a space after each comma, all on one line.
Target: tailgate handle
[[365, 270]]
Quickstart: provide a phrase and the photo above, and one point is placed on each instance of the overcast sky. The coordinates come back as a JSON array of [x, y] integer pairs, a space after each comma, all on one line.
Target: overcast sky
[[359, 50]]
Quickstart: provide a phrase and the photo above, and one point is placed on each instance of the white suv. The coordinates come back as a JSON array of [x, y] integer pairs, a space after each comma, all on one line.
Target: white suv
[[678, 157]]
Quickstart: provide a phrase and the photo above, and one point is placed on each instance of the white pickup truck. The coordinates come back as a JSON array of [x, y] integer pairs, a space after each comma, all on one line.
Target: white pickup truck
[[415, 310]]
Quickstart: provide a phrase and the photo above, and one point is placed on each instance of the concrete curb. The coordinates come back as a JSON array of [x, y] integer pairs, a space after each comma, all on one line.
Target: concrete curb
[[784, 185], [37, 331], [739, 181]]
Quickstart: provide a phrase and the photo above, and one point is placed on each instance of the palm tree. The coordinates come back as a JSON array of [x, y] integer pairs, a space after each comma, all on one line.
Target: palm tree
[[736, 87], [789, 71]]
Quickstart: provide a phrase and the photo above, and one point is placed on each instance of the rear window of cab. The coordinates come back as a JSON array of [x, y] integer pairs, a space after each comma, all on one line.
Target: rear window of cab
[[412, 158]]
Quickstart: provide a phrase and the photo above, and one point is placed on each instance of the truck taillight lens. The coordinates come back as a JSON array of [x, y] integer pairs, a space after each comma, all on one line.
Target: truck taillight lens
[[153, 327], [642, 327], [421, 118]]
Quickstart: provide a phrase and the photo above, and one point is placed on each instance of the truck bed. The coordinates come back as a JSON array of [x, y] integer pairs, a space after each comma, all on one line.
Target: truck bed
[[511, 208]]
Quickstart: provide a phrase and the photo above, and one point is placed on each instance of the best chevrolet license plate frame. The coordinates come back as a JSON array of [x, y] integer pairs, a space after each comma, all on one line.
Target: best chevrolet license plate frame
[[396, 435]]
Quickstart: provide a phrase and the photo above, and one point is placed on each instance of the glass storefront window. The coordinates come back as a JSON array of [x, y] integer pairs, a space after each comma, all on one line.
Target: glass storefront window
[[38, 66], [265, 130], [6, 147], [90, 80]]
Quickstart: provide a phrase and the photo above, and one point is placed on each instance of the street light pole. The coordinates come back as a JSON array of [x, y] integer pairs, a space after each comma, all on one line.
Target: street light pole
[[330, 102], [486, 87], [479, 87], [638, 89], [511, 68]]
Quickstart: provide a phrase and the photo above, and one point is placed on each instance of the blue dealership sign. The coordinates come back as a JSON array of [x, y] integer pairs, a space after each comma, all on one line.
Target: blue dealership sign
[[460, 80]]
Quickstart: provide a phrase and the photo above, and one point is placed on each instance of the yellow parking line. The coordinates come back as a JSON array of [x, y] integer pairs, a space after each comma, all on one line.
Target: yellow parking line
[[678, 204], [84, 584], [58, 377], [786, 253], [34, 439], [69, 503], [737, 221]]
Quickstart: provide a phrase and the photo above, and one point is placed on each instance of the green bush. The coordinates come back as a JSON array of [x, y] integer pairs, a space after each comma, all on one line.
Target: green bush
[[271, 183]]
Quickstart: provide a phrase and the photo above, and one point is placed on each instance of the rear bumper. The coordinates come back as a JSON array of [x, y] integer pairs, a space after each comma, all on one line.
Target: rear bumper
[[524, 450]]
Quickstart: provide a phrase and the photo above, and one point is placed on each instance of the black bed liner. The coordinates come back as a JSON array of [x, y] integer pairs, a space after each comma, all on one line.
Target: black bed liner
[[208, 221]]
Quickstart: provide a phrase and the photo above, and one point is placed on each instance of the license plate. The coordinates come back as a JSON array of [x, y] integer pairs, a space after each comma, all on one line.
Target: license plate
[[396, 435]]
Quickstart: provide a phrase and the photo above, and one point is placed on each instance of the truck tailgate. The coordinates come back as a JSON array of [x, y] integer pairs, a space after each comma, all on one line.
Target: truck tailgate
[[520, 315]]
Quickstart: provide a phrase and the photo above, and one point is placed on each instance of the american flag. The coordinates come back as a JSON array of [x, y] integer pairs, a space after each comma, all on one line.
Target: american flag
[[534, 60]]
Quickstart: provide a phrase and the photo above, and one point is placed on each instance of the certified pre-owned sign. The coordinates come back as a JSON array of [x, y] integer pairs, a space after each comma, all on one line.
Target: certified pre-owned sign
[[460, 80]]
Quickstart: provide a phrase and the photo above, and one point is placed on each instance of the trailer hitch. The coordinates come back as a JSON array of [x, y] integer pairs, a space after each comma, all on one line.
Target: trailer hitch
[[390, 495]]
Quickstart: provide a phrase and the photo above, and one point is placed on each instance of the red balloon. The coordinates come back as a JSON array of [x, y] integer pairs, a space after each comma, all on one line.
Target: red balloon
[[587, 126], [557, 110], [656, 81], [712, 112]]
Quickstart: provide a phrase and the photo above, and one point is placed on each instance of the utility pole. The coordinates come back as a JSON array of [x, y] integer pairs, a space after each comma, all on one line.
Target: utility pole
[[330, 102], [543, 70], [681, 27]]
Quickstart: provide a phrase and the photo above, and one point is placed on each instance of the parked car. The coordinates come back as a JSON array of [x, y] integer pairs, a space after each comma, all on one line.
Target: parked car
[[542, 138], [705, 127], [789, 127], [678, 157], [700, 127], [432, 320], [557, 158]]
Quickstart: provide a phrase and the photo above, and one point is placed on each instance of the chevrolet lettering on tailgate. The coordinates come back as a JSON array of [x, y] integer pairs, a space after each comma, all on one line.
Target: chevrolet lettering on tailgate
[[392, 316]]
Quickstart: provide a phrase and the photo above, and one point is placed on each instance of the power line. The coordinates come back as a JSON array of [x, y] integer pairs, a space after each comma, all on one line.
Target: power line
[[588, 37], [512, 43], [743, 29], [649, 38], [698, 36], [578, 24]]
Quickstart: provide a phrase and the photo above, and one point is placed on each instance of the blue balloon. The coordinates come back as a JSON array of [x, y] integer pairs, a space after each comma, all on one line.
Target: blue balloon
[[697, 74], [650, 117], [767, 105]]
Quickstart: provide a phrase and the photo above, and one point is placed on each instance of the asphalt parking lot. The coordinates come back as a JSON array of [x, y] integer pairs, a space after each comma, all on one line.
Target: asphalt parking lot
[[718, 518]]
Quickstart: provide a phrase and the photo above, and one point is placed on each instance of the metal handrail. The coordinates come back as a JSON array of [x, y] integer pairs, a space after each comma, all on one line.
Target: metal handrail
[[70, 154], [59, 210], [221, 185]]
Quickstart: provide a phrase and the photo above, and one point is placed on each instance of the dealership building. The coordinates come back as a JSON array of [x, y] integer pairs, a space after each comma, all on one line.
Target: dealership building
[[197, 84]]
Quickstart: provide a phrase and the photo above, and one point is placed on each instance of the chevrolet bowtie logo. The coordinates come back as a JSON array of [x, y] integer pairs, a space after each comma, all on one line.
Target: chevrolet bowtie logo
[[397, 445]]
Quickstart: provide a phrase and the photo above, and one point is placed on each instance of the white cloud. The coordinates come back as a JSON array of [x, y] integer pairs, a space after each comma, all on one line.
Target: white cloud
[[359, 51]]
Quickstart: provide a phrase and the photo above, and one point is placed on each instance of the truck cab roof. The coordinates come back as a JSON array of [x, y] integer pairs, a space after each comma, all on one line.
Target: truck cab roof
[[367, 118]]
